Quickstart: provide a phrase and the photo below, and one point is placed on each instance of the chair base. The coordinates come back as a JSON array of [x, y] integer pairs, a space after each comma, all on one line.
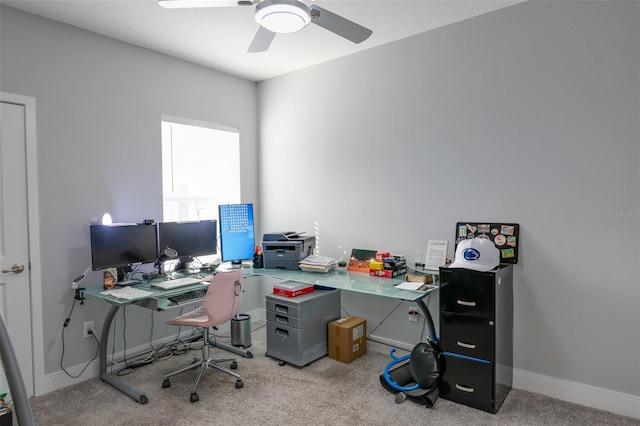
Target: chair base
[[202, 365]]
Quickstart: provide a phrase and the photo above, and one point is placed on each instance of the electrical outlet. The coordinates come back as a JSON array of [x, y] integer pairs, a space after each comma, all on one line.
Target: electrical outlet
[[88, 326], [413, 314]]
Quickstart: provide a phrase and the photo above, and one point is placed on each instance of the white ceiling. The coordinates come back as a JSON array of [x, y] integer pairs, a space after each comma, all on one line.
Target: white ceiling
[[219, 37]]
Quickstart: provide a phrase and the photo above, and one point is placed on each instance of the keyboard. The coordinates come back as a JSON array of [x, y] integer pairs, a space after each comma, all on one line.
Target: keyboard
[[188, 296], [179, 282], [128, 282]]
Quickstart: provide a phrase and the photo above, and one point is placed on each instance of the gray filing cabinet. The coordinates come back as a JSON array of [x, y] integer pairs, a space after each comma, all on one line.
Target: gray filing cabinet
[[297, 326]]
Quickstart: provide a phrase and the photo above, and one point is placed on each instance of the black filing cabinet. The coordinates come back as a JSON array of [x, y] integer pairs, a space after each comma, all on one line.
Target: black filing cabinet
[[476, 336], [297, 326]]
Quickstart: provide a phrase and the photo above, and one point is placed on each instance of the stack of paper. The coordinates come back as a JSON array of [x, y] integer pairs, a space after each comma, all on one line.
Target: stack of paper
[[127, 293], [416, 282], [316, 263], [414, 285]]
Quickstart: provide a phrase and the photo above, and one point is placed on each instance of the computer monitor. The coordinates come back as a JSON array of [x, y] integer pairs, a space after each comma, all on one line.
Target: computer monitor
[[118, 246], [237, 239], [189, 239]]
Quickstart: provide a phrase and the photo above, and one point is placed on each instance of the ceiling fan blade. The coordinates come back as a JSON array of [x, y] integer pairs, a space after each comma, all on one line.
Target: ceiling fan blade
[[339, 25], [187, 4], [261, 41]]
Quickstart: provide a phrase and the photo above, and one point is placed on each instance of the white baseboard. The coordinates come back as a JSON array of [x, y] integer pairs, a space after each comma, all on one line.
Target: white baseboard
[[577, 393], [384, 345]]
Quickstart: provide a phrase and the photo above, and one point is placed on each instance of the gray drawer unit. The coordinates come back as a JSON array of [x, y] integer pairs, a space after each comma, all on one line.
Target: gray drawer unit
[[297, 326]]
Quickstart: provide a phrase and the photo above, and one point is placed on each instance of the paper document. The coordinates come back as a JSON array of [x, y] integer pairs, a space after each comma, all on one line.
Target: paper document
[[415, 286], [127, 293], [315, 263], [318, 260], [436, 254], [406, 285]]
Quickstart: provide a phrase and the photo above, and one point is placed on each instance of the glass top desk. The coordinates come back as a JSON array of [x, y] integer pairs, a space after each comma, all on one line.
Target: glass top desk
[[361, 282], [158, 299], [155, 299]]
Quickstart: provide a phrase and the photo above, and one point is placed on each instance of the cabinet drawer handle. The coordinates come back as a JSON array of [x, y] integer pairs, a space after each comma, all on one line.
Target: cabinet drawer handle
[[466, 345], [282, 320], [465, 303], [281, 308], [464, 388], [282, 333]]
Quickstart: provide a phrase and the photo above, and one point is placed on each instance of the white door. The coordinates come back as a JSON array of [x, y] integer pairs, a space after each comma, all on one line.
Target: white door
[[15, 284]]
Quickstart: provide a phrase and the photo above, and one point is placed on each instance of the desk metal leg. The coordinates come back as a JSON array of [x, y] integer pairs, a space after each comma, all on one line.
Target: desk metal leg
[[106, 377], [429, 320], [233, 349]]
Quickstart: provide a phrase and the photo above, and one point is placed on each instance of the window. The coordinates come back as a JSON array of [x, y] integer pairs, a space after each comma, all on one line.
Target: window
[[200, 168]]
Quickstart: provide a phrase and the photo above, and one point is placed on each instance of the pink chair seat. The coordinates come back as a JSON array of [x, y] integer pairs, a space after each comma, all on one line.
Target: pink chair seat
[[221, 304]]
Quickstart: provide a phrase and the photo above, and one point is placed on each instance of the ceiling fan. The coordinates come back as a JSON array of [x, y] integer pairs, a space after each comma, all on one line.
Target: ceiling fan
[[282, 16]]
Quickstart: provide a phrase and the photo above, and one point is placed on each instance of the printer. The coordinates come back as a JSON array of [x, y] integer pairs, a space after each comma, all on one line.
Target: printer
[[284, 250]]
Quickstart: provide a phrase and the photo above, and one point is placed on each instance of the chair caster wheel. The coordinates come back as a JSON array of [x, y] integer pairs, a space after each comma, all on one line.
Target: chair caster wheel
[[194, 397], [166, 383], [239, 384], [234, 365]]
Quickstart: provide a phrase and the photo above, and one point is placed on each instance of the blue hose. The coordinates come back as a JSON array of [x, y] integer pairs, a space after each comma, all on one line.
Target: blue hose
[[387, 376]]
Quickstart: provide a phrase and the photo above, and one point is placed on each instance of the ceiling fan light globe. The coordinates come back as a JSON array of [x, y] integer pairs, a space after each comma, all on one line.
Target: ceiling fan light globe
[[283, 16]]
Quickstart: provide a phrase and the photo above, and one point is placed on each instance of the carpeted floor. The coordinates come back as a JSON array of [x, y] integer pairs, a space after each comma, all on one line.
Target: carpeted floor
[[326, 392]]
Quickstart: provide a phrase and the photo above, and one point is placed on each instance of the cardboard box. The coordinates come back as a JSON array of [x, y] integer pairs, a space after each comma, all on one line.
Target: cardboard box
[[347, 338], [387, 273], [359, 261], [382, 255], [292, 289], [394, 264], [378, 266]]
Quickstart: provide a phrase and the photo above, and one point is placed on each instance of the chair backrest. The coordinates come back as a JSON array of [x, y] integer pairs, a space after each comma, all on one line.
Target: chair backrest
[[223, 297]]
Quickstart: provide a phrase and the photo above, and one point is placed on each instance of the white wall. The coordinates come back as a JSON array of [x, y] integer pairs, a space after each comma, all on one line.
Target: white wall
[[529, 114], [99, 107]]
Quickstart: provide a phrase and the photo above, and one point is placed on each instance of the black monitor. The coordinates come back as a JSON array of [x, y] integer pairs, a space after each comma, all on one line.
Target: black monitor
[[189, 239], [118, 246], [237, 240]]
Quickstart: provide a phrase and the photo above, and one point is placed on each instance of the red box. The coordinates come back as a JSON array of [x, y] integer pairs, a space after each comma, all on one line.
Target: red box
[[381, 255], [292, 289]]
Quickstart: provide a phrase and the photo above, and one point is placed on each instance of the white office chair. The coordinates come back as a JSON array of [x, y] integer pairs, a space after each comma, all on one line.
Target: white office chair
[[221, 304]]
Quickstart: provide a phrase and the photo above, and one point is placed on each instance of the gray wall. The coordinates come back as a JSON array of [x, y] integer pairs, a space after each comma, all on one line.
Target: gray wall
[[99, 107], [529, 114]]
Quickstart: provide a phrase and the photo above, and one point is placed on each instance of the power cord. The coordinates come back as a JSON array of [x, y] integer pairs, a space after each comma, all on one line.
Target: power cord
[[90, 332], [162, 351]]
